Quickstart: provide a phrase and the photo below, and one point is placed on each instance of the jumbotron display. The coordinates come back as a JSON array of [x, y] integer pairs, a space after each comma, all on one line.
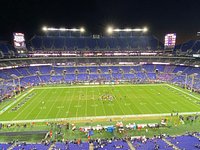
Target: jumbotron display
[[170, 40], [19, 40]]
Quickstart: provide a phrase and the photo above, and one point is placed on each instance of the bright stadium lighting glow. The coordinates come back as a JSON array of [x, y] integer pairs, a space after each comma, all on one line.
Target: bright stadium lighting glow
[[117, 30], [137, 30], [64, 29], [110, 30], [44, 28], [82, 29], [145, 29], [74, 29], [52, 29], [127, 30]]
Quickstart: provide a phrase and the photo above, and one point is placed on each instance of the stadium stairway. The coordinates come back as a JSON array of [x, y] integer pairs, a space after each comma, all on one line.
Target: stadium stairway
[[28, 71], [52, 146], [197, 136], [40, 79], [169, 143], [12, 146], [91, 146], [130, 145]]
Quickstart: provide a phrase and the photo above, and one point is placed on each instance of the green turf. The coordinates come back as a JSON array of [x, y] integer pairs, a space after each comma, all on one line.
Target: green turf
[[67, 102]]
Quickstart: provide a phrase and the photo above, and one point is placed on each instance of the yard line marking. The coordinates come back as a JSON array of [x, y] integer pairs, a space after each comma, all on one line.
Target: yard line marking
[[115, 99], [78, 106], [71, 99], [142, 103], [95, 108], [44, 106], [86, 102], [62, 105], [30, 112], [16, 101], [184, 92], [25, 106], [133, 106], [157, 103], [127, 104], [55, 101], [102, 103]]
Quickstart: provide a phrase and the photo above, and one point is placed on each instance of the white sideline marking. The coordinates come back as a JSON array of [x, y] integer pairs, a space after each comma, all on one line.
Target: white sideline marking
[[15, 101], [98, 117], [184, 92], [96, 86]]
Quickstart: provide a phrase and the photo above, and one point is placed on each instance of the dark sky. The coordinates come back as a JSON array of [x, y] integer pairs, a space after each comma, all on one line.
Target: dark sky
[[161, 17]]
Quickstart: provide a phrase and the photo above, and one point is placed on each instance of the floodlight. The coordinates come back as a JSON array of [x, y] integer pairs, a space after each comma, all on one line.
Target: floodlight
[[127, 30], [44, 28], [73, 29], [145, 29], [82, 29], [52, 29], [110, 30], [64, 29], [137, 30], [117, 30]]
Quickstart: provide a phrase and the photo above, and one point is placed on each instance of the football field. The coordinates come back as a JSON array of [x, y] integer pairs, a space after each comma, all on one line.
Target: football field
[[99, 100]]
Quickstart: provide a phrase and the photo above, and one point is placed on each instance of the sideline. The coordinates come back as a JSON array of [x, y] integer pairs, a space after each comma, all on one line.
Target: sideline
[[15, 101], [97, 86], [184, 92], [98, 117]]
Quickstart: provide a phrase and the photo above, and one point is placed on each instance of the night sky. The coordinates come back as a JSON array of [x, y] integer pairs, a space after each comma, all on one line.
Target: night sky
[[161, 17]]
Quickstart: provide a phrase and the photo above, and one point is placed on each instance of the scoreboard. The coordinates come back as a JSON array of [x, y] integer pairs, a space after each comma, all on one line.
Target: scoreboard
[[19, 40], [170, 40]]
